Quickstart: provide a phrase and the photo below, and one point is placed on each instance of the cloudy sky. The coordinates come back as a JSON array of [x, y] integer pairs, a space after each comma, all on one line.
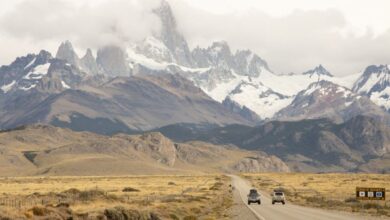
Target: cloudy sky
[[292, 35]]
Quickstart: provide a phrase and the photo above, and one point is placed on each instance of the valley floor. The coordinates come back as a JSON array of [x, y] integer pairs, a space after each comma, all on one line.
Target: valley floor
[[187, 197], [152, 197]]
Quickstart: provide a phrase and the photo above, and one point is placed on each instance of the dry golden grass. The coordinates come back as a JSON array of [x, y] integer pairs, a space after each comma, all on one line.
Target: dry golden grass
[[206, 197], [334, 191]]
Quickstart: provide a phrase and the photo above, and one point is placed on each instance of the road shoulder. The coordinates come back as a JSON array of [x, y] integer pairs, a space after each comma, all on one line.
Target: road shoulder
[[239, 210]]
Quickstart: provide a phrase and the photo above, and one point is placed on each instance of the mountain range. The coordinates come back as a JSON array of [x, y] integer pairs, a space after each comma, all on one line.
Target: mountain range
[[312, 145], [241, 81], [314, 121]]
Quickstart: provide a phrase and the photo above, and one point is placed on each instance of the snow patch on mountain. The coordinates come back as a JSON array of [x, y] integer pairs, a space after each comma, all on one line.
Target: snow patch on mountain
[[138, 58], [347, 81], [155, 49], [28, 87], [64, 85], [38, 72], [382, 98], [261, 99], [31, 63], [8, 87]]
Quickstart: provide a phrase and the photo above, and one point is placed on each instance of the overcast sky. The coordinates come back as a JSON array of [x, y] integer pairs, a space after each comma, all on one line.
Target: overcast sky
[[292, 35]]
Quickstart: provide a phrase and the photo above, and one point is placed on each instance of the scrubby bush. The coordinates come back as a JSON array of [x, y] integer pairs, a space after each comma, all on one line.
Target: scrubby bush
[[351, 200], [174, 217], [372, 206], [130, 189], [313, 199], [216, 186], [72, 191], [40, 211], [4, 218], [190, 217], [120, 213], [91, 194]]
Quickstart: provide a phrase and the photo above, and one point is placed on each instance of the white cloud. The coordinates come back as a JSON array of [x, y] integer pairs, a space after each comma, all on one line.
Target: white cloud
[[88, 23], [293, 41]]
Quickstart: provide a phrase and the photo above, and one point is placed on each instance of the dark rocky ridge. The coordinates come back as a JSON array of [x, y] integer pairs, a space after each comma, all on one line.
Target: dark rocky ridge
[[316, 145]]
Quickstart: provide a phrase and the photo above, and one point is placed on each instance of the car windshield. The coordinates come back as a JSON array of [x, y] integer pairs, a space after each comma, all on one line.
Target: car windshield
[[278, 194], [253, 193]]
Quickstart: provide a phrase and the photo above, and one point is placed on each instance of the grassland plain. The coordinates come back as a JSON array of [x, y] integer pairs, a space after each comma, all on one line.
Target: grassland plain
[[329, 191], [165, 197]]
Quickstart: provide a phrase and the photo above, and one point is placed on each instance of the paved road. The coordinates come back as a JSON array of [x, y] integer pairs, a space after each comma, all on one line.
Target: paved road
[[267, 211]]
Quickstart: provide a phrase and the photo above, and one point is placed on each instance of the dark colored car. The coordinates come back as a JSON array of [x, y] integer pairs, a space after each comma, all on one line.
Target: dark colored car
[[254, 197]]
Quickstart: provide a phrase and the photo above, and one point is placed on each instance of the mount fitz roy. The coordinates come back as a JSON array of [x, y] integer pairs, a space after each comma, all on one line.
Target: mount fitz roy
[[161, 81]]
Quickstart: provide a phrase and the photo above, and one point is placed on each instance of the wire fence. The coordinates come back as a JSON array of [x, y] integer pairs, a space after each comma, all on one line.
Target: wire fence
[[30, 202]]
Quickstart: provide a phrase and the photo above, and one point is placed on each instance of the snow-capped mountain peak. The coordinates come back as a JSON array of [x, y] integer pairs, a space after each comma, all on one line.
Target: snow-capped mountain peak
[[241, 79], [325, 99], [40, 72], [374, 79], [375, 83], [318, 72], [326, 88]]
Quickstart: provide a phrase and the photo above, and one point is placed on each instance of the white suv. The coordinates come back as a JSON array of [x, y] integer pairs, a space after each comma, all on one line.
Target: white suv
[[278, 196]]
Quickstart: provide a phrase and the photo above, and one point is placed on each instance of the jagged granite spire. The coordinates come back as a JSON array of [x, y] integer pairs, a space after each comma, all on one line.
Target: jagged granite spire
[[67, 53], [88, 63], [171, 37]]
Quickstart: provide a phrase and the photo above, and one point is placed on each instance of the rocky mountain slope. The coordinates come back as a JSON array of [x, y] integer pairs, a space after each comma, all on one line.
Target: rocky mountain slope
[[124, 103], [47, 150], [317, 145], [240, 80]]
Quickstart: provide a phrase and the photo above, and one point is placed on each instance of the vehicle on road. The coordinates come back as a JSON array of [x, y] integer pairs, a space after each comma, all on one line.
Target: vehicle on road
[[253, 197], [278, 197]]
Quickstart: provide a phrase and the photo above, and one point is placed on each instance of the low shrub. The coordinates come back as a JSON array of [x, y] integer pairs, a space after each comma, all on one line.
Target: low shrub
[[119, 213], [91, 194], [351, 200], [174, 217], [190, 217], [372, 206], [129, 189], [314, 199], [216, 186], [72, 191], [40, 211]]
